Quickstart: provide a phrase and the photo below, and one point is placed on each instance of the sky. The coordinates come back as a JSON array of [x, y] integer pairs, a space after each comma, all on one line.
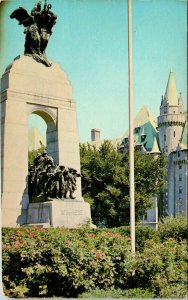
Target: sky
[[90, 42]]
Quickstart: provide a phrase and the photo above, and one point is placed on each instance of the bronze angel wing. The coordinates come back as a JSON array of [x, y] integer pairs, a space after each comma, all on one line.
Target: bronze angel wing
[[22, 16]]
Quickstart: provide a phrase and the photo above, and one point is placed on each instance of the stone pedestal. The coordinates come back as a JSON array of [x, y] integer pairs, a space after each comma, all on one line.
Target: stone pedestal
[[57, 213], [30, 87]]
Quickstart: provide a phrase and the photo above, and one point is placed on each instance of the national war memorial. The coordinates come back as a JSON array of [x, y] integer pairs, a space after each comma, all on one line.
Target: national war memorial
[[49, 193]]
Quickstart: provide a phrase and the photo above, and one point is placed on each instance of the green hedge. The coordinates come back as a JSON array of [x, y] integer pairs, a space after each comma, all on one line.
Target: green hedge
[[73, 263]]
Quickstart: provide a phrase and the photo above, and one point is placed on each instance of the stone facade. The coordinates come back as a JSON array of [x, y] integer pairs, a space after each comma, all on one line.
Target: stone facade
[[177, 182], [68, 213]]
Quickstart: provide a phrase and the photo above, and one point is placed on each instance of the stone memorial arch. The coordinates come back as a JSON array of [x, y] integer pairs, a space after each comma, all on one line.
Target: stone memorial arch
[[33, 84], [30, 87]]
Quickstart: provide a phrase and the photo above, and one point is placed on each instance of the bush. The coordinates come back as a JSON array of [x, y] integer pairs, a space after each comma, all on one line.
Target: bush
[[173, 227], [118, 293], [142, 234], [162, 266], [59, 262]]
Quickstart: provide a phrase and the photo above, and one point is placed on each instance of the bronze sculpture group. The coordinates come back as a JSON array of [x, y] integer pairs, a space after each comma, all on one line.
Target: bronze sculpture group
[[47, 181], [38, 27]]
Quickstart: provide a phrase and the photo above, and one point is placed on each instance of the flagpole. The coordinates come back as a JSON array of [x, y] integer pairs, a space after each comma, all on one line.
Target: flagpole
[[131, 128]]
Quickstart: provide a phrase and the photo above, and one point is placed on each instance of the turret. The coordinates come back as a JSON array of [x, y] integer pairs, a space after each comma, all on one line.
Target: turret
[[171, 120]]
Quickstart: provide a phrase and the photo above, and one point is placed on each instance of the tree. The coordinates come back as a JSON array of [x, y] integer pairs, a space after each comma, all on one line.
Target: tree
[[33, 154], [105, 182]]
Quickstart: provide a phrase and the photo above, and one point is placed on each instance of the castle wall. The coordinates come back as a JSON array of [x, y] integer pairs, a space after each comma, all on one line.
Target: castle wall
[[177, 183]]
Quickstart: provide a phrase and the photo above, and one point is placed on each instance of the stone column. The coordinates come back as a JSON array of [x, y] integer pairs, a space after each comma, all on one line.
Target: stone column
[[14, 159]]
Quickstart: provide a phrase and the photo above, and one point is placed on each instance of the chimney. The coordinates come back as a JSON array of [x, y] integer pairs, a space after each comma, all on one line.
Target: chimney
[[95, 134]]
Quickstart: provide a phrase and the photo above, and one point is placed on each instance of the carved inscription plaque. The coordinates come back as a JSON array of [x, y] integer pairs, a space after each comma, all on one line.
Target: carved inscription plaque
[[78, 212]]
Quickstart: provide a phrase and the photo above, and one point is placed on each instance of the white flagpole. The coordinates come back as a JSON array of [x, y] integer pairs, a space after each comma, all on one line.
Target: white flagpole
[[131, 128]]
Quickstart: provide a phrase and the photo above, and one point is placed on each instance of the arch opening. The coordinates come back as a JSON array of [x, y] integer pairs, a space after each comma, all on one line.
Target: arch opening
[[42, 133]]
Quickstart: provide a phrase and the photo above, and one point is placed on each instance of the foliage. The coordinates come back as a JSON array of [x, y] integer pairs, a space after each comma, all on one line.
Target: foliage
[[118, 293], [174, 227], [105, 183], [162, 266], [59, 262], [33, 154]]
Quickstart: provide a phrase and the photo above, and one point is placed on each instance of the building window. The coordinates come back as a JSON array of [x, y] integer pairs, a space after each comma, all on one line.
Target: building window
[[178, 153], [165, 137], [180, 189], [180, 167], [143, 137], [174, 133], [179, 205], [137, 129], [180, 177]]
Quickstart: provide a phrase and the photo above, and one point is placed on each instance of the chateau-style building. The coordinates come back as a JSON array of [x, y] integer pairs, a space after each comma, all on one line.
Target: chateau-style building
[[167, 135], [172, 126]]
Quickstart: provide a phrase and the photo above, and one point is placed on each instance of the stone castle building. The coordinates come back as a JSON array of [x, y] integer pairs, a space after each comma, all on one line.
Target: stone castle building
[[167, 135], [172, 126]]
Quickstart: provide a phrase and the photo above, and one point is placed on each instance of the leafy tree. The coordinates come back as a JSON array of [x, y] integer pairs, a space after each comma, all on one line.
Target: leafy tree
[[105, 182], [33, 154]]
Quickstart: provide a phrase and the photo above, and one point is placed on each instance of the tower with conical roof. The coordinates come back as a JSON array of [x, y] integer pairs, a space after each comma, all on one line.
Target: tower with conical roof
[[171, 120]]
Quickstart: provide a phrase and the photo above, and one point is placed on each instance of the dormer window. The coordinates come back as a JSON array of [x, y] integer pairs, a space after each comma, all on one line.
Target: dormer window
[[137, 129], [125, 140], [143, 138]]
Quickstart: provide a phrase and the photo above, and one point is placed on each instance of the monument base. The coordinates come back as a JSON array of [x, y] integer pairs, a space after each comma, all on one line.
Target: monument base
[[57, 213]]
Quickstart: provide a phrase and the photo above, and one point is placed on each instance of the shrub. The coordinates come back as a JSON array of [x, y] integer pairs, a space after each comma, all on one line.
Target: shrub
[[59, 262], [118, 293], [143, 234], [162, 266], [173, 227]]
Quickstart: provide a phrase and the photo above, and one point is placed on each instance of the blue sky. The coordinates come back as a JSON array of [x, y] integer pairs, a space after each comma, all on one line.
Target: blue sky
[[89, 41]]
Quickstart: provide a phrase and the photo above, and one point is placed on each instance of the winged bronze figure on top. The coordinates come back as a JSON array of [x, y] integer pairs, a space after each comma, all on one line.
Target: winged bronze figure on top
[[38, 27]]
